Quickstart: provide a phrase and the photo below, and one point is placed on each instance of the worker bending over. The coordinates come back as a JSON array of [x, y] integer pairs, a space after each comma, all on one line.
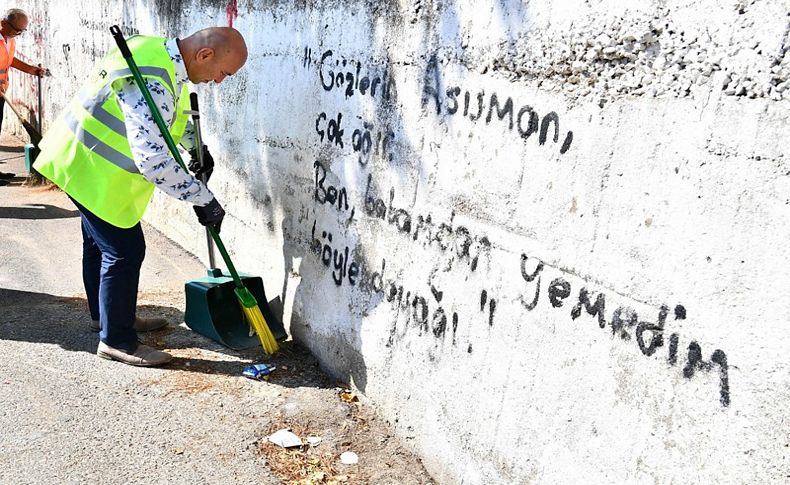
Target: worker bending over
[[107, 154]]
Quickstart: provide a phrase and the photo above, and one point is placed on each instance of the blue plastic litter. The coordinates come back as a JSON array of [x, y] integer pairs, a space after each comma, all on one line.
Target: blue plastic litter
[[258, 371]]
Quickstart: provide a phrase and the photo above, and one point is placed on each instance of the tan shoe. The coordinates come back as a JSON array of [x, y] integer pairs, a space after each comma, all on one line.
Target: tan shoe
[[144, 356], [140, 324]]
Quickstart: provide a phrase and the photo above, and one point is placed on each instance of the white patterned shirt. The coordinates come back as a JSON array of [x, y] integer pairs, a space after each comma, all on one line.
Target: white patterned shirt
[[149, 150]]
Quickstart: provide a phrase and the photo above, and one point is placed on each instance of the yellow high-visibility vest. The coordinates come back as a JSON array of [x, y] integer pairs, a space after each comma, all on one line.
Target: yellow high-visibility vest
[[86, 152]]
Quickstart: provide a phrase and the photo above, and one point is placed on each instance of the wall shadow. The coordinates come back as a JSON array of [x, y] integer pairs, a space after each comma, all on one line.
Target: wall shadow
[[389, 160]]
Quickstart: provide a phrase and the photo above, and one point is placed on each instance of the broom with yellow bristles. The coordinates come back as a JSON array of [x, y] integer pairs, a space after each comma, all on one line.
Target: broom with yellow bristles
[[249, 306]]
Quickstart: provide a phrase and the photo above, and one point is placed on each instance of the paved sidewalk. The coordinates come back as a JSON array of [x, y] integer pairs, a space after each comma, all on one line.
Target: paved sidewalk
[[68, 416]]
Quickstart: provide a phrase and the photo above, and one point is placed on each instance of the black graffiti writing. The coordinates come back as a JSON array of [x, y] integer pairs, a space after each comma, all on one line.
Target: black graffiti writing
[[428, 316], [532, 121], [491, 306], [624, 323], [527, 121], [376, 207], [425, 313], [656, 333], [445, 236], [367, 141], [103, 26], [720, 358], [529, 277], [373, 282], [362, 143], [695, 362], [455, 328], [324, 193], [507, 110], [334, 131], [623, 319], [584, 301], [673, 349], [345, 75], [338, 261], [559, 289]]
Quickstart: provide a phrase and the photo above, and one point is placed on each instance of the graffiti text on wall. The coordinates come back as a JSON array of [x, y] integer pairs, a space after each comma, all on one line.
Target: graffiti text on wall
[[429, 312], [423, 312], [479, 105], [624, 323], [347, 76]]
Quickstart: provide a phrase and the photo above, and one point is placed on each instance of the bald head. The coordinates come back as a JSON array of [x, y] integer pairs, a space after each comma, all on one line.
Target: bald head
[[14, 22], [212, 54]]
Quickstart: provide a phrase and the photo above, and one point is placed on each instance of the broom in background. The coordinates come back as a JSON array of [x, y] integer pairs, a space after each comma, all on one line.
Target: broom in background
[[32, 132], [34, 178], [249, 305]]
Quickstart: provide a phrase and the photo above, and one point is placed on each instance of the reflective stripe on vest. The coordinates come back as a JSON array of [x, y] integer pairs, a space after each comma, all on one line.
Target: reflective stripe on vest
[[145, 71], [95, 106], [98, 146]]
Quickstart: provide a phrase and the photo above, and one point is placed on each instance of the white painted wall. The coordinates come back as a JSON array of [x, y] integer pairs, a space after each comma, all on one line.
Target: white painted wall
[[669, 201]]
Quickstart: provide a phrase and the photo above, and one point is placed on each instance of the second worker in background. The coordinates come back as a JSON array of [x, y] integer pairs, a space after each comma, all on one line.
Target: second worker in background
[[12, 26]]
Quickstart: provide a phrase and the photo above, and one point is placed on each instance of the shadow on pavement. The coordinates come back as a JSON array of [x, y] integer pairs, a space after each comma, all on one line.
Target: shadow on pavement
[[49, 319], [64, 321], [37, 211]]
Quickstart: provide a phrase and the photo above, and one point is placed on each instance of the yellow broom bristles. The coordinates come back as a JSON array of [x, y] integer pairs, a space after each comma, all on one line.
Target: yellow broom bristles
[[258, 323]]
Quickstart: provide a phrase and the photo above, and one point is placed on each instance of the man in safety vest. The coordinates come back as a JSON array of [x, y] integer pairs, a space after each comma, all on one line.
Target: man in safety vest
[[11, 26], [107, 154]]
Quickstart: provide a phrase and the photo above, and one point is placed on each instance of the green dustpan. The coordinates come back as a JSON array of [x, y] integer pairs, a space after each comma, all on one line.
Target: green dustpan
[[212, 305], [213, 310]]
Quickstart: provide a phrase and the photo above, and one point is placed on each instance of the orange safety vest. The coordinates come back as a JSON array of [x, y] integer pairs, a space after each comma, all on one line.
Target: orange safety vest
[[6, 58]]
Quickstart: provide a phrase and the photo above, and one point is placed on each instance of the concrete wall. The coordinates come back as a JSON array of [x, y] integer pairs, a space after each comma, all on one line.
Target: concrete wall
[[545, 238]]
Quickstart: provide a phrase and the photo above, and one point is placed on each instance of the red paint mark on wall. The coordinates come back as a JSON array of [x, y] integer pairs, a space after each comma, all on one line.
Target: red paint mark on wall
[[233, 12]]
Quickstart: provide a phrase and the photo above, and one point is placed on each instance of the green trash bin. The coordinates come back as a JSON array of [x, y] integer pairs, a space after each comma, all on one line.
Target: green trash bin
[[212, 310], [31, 152]]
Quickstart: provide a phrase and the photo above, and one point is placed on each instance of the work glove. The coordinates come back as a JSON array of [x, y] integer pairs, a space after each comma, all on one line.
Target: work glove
[[208, 164], [211, 214]]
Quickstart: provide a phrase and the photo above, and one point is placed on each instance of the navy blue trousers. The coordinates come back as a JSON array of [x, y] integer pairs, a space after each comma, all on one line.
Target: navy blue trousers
[[111, 261]]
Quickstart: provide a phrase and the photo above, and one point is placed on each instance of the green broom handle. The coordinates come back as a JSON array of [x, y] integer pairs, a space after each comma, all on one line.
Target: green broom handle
[[160, 123]]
